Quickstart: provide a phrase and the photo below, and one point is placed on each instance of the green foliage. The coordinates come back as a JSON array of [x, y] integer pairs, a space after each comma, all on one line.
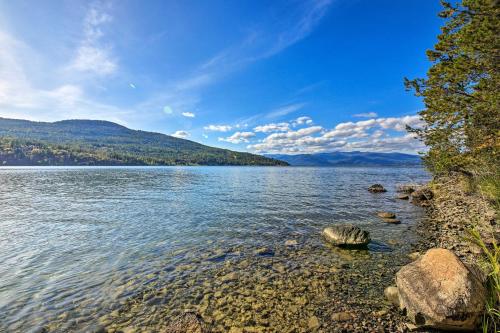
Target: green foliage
[[460, 92], [491, 265], [87, 142]]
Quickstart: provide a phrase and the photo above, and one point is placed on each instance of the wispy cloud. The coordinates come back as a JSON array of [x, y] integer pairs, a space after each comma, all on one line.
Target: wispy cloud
[[365, 115], [93, 55], [188, 114], [270, 39], [218, 128], [180, 134], [23, 96], [285, 110], [264, 41]]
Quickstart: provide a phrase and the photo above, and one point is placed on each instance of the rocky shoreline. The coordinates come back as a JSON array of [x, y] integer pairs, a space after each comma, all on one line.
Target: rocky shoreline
[[445, 239], [297, 285]]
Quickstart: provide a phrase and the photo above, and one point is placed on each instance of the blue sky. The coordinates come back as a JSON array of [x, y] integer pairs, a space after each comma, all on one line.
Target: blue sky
[[260, 76]]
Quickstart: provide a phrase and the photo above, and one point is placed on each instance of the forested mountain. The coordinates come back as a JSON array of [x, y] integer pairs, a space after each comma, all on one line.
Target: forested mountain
[[354, 158], [95, 142]]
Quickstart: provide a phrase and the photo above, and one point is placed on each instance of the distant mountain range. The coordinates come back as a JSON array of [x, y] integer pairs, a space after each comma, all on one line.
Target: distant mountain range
[[354, 158], [95, 142]]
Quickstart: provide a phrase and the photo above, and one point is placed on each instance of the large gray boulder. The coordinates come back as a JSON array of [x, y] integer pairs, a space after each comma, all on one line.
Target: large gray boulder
[[438, 290], [346, 235]]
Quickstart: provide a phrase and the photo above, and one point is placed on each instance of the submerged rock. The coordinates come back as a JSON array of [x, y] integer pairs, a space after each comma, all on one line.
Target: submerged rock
[[346, 235], [377, 188], [187, 323], [403, 196], [264, 251], [233, 276], [291, 242], [438, 290]]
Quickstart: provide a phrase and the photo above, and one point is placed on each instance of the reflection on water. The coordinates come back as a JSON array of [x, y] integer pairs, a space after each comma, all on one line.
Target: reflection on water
[[113, 248]]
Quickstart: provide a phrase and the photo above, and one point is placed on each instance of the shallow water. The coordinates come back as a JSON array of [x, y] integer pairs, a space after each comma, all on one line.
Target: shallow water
[[84, 249]]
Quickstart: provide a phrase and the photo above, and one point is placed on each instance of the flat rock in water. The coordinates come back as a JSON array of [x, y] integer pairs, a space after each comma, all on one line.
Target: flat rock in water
[[391, 220], [386, 215], [409, 188], [377, 188], [346, 235], [439, 291], [264, 251], [403, 196]]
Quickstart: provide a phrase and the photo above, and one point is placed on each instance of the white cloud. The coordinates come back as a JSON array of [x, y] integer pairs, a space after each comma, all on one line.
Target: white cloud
[[218, 128], [365, 115], [21, 97], [302, 120], [180, 134], [92, 55], [279, 127], [188, 114], [238, 137], [94, 59], [366, 135]]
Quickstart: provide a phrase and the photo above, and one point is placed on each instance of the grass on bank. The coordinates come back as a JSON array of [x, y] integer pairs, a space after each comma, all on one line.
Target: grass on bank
[[491, 265]]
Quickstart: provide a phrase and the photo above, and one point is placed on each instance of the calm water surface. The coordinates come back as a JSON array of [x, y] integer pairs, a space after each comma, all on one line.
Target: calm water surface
[[89, 248]]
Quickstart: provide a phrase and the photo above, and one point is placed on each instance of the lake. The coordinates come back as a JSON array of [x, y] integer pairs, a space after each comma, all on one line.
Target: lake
[[123, 248]]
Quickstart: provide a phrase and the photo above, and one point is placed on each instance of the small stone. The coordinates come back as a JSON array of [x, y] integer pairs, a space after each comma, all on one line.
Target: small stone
[[380, 313], [236, 330], [279, 268], [392, 295], [233, 276], [291, 242], [313, 322], [341, 316], [264, 251], [414, 255], [403, 197], [128, 330], [411, 327]]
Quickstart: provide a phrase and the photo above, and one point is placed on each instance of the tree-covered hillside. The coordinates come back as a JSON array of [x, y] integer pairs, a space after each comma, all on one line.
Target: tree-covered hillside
[[354, 158], [94, 142]]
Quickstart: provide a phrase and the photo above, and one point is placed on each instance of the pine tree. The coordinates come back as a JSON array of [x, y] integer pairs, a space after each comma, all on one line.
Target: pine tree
[[461, 91]]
